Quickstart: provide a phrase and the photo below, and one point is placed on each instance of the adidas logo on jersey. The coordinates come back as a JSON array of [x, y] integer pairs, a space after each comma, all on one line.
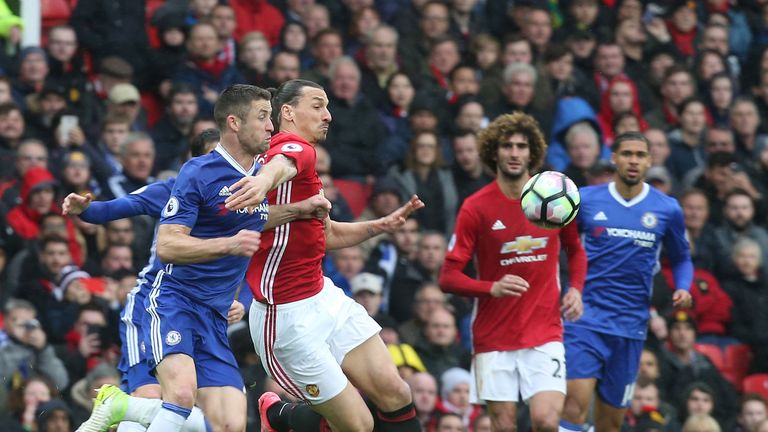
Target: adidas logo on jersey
[[498, 226], [225, 191], [600, 216]]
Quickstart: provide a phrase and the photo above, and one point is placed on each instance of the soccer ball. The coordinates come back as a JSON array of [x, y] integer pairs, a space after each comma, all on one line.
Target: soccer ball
[[550, 199]]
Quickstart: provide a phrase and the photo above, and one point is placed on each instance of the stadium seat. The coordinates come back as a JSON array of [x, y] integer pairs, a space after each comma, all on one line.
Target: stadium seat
[[355, 193], [714, 353], [54, 13], [757, 383], [738, 358]]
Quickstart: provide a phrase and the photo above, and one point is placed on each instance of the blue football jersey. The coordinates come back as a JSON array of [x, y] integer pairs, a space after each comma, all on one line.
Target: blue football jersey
[[197, 202], [623, 241]]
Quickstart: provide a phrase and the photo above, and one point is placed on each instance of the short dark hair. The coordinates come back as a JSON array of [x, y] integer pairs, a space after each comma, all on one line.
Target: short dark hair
[[737, 192], [289, 93], [720, 159], [7, 107], [236, 100], [198, 144], [180, 88], [45, 241], [629, 136], [92, 306]]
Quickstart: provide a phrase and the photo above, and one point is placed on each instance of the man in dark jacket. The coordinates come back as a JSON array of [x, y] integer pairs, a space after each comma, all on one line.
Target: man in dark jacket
[[171, 133]]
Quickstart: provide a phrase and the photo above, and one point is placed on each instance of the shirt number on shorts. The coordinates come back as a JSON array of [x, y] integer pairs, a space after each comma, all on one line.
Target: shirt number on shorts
[[558, 366]]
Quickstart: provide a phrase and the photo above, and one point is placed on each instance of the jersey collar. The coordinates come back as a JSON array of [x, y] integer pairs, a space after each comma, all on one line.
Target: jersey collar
[[620, 199], [228, 157]]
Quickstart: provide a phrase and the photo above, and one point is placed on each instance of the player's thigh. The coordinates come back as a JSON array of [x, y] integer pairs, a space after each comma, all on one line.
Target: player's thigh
[[370, 368], [292, 343], [503, 415], [346, 411], [148, 391], [542, 369], [224, 407], [608, 418], [178, 381]]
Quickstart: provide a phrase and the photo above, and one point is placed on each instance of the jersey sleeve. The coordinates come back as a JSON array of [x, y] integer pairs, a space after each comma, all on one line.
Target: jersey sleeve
[[677, 249], [461, 249], [302, 155], [183, 205], [148, 200], [577, 257]]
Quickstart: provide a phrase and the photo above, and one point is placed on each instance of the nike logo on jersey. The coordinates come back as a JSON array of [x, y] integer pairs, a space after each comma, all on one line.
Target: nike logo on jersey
[[498, 226], [225, 191], [600, 216]]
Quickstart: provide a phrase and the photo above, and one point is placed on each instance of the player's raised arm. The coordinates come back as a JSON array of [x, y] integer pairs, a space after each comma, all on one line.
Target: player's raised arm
[[249, 192], [316, 207], [339, 235], [176, 246]]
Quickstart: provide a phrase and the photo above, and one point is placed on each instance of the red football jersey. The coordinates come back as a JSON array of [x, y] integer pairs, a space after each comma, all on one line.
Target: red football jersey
[[492, 230], [287, 266]]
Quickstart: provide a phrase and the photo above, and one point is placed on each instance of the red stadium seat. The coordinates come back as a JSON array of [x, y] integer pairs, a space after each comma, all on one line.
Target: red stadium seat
[[355, 193], [738, 358], [714, 353], [757, 383]]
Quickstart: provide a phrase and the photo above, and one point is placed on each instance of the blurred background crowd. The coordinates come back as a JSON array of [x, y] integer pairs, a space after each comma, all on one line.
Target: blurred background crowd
[[117, 90]]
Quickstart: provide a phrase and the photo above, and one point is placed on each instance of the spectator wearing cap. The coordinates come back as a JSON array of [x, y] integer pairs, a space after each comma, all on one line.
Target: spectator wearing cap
[[354, 143], [43, 109], [681, 365], [682, 25], [27, 350], [658, 177], [407, 361], [454, 396], [109, 29], [124, 99], [172, 131], [384, 199], [367, 290], [469, 173], [55, 416], [172, 28], [203, 69], [749, 291], [33, 68]]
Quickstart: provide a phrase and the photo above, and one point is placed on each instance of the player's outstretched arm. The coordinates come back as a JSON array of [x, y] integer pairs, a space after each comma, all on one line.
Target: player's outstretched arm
[[339, 235], [316, 207], [176, 246], [148, 200], [250, 191]]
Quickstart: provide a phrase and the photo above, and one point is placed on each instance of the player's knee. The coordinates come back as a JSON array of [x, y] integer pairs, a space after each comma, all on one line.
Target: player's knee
[[182, 395], [546, 422], [504, 422], [574, 411], [393, 394]]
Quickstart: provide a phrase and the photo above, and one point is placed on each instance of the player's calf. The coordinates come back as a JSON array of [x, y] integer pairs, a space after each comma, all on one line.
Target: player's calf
[[503, 416]]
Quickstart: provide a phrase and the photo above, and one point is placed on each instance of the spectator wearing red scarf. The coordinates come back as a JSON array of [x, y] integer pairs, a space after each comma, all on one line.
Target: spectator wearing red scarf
[[683, 26], [620, 96], [38, 199]]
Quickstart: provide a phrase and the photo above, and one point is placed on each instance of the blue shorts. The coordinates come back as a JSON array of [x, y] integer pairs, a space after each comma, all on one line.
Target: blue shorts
[[133, 359], [175, 324], [612, 360]]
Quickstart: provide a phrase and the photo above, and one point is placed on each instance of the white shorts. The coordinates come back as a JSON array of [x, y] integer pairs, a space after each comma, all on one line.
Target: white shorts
[[302, 344], [503, 376]]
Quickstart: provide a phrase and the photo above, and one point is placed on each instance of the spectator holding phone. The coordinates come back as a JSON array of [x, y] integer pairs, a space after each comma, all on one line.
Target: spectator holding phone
[[27, 350], [89, 342]]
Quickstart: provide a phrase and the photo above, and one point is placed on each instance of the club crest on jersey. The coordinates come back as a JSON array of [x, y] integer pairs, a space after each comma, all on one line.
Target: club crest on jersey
[[649, 220], [172, 338], [313, 390], [172, 207], [524, 245], [291, 148]]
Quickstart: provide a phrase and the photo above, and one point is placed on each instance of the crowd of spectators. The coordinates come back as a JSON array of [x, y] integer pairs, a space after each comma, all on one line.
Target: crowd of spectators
[[118, 89]]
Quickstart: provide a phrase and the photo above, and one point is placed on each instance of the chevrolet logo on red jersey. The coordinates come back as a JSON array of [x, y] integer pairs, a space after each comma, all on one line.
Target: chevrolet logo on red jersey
[[524, 245]]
